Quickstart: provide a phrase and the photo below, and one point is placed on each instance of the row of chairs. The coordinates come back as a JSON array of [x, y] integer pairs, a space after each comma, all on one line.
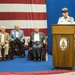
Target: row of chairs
[[16, 51]]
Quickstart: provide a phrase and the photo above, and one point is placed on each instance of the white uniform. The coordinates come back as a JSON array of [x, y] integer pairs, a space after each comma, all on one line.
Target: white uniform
[[68, 20]]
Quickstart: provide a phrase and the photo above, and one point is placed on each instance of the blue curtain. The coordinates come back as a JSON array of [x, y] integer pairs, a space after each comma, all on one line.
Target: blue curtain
[[54, 8]]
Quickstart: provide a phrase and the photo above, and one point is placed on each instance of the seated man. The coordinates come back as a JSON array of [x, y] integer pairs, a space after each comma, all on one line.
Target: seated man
[[17, 37], [4, 43], [37, 38]]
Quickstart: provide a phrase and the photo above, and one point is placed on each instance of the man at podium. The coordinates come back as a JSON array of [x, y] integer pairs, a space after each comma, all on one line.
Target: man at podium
[[65, 19]]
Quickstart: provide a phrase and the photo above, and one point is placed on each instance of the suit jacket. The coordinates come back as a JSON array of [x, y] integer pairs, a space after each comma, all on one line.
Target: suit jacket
[[41, 35], [20, 36], [6, 38]]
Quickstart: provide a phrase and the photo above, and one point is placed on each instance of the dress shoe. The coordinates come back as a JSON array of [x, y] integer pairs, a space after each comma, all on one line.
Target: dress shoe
[[4, 58], [39, 59], [22, 56], [34, 59]]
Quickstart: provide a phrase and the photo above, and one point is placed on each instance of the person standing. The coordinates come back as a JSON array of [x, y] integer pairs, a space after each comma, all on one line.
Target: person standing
[[65, 19]]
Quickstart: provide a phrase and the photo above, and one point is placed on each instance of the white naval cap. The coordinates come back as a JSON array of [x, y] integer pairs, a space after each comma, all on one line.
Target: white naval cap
[[64, 9]]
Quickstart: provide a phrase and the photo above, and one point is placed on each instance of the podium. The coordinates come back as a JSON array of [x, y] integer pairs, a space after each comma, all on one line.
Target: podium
[[63, 45]]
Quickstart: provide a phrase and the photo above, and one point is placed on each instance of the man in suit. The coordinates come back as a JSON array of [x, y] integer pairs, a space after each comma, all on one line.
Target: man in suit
[[4, 43], [37, 38], [17, 37]]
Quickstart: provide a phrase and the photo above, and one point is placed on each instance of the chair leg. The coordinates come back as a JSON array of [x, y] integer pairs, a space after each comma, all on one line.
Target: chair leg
[[11, 54]]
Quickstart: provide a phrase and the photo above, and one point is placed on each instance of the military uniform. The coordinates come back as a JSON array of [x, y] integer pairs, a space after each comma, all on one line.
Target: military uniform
[[65, 19], [68, 20]]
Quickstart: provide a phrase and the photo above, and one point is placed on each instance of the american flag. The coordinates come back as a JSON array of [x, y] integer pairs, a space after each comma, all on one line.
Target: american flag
[[26, 13]]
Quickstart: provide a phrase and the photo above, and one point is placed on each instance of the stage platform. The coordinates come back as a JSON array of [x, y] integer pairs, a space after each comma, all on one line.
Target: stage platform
[[23, 66]]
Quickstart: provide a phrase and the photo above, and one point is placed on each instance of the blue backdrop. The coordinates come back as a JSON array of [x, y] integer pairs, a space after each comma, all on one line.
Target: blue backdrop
[[54, 8]]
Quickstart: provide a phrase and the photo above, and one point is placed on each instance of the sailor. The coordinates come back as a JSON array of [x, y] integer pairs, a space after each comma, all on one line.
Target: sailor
[[65, 19]]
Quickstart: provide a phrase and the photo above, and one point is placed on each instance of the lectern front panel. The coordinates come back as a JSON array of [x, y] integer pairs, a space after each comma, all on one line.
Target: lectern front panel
[[63, 50]]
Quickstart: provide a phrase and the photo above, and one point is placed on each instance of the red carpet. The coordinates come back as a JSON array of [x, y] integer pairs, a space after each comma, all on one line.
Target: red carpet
[[56, 72]]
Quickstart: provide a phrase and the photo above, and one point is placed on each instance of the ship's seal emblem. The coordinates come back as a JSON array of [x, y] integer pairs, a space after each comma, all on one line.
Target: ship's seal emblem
[[63, 44]]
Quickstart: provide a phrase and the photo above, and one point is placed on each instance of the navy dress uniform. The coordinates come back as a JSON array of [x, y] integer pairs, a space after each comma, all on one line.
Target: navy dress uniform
[[65, 19]]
